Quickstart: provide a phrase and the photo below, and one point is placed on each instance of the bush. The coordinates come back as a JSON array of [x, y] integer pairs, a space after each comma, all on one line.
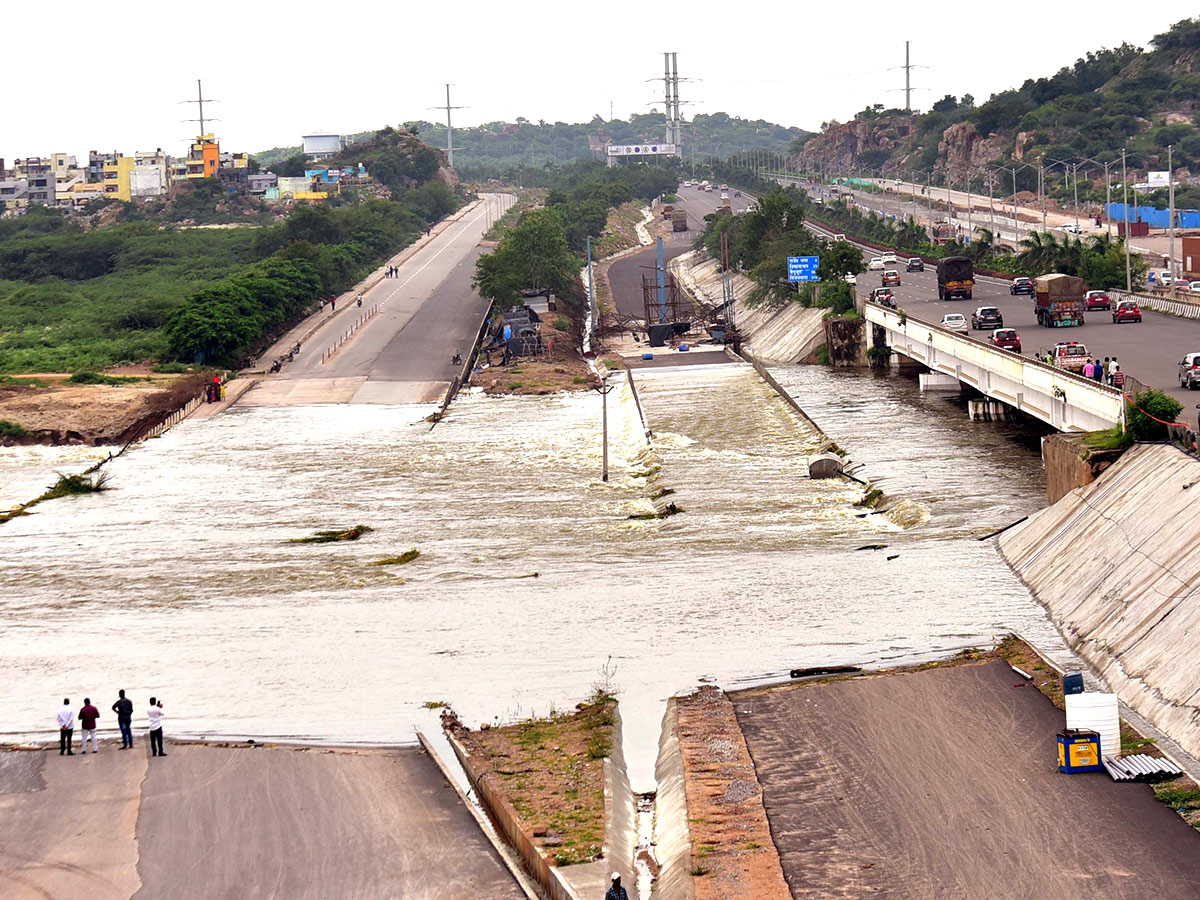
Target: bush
[[1147, 407], [11, 429]]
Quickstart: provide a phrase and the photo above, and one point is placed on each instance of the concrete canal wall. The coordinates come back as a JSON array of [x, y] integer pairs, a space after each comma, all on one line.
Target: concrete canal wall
[[1115, 562], [786, 335]]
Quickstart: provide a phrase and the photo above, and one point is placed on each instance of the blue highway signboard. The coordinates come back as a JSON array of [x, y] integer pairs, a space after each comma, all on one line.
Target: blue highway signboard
[[803, 268]]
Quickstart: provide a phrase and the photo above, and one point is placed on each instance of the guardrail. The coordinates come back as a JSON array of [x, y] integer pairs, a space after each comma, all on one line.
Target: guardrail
[[1181, 306], [1084, 394]]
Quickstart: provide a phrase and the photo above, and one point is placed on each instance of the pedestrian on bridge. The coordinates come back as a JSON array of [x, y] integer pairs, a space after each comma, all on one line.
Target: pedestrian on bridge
[[1089, 369], [1112, 370]]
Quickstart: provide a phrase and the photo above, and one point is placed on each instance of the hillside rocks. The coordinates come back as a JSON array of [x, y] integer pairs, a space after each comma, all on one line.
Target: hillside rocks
[[963, 149], [841, 146]]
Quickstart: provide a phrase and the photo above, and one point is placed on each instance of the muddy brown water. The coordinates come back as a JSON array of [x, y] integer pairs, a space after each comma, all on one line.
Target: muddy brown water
[[180, 581]]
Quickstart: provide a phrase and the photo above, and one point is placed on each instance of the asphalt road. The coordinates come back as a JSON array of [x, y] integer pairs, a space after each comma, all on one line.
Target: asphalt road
[[625, 275], [943, 783], [403, 354]]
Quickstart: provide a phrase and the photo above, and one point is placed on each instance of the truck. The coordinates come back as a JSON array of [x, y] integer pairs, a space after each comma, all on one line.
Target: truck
[[1058, 300], [941, 232], [667, 210], [679, 220], [1070, 355], [956, 277]]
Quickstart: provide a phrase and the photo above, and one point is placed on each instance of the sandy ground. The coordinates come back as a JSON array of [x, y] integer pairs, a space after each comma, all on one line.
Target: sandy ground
[[732, 852], [561, 369], [92, 413], [235, 822], [943, 783]]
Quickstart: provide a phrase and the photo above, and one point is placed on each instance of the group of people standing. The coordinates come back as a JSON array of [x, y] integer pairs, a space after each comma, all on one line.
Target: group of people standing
[[391, 271], [1107, 371], [88, 714]]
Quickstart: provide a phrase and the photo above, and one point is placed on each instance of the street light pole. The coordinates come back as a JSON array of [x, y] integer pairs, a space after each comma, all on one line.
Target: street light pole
[[1170, 220], [1125, 205], [603, 391]]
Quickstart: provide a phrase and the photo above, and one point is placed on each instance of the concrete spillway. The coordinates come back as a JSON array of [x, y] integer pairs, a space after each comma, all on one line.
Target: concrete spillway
[[1116, 563]]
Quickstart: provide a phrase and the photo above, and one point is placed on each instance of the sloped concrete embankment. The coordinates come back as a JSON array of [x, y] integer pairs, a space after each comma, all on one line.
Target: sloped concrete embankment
[[1115, 563], [787, 334], [673, 840]]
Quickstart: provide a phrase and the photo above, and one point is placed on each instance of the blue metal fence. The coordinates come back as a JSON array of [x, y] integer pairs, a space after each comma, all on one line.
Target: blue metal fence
[[1158, 218]]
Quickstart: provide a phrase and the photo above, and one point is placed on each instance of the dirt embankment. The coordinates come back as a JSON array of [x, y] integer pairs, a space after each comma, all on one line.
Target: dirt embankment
[[559, 368], [732, 851], [551, 771], [50, 409]]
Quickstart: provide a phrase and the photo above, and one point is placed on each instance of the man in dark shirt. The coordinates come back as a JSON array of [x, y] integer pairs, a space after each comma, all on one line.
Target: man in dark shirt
[[87, 725], [124, 710], [616, 892]]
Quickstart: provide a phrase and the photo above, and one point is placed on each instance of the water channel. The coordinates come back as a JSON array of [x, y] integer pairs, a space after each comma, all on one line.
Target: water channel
[[532, 577]]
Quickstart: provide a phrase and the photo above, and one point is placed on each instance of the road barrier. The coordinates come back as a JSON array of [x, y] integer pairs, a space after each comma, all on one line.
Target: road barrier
[[359, 322]]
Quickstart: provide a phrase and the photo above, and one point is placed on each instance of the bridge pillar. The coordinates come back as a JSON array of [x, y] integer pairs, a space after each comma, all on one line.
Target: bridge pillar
[[938, 381]]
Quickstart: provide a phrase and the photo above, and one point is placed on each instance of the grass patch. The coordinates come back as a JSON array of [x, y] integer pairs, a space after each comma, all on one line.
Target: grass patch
[[433, 704], [21, 381], [406, 557], [1115, 438], [821, 354], [97, 378], [329, 537], [578, 379], [562, 323], [11, 429], [515, 385]]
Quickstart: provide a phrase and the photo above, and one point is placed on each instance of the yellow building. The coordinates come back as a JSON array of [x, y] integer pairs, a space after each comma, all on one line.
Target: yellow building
[[204, 159], [116, 177]]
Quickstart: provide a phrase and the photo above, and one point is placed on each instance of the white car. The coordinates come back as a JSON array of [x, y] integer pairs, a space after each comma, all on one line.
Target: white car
[[876, 264], [1194, 287], [1073, 229], [889, 258], [849, 279], [956, 322]]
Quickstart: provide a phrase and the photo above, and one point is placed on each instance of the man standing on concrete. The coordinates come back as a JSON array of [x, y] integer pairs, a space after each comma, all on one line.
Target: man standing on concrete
[[1112, 370], [615, 891], [87, 725], [66, 727], [124, 710], [155, 715]]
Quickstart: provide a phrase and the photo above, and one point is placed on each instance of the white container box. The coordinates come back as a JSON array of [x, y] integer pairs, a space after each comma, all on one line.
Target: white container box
[[1100, 713]]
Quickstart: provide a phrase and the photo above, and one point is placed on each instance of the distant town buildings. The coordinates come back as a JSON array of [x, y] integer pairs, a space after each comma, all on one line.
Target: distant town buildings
[[60, 180]]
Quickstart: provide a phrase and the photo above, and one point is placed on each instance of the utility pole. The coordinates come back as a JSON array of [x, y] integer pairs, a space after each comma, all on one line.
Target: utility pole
[[450, 130], [1125, 204], [200, 101], [1171, 219], [907, 81]]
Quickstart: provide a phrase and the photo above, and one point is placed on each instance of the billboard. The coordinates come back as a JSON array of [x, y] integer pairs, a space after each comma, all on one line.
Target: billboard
[[641, 149], [1158, 179], [803, 268]]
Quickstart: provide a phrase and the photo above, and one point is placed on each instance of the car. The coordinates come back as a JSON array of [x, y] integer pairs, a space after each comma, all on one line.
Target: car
[[884, 297], [1189, 371], [737, 193], [915, 264], [898, 181], [849, 278], [956, 322], [1194, 287], [890, 276], [1096, 300], [1073, 229], [1007, 339], [839, 238], [1070, 355], [1161, 279], [1021, 286], [987, 318], [876, 264], [1127, 311], [889, 258]]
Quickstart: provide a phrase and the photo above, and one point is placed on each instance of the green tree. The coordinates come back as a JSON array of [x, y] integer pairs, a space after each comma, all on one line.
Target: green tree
[[533, 255]]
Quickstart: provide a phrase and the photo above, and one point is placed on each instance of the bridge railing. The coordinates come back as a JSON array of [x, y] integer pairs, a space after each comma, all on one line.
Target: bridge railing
[[1089, 396]]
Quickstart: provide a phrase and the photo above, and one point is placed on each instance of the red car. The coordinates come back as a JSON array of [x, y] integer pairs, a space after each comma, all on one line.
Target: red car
[[1127, 311], [1007, 339], [891, 276], [1096, 300]]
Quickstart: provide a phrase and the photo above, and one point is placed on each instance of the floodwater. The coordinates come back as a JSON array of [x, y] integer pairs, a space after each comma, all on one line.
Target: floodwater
[[533, 584]]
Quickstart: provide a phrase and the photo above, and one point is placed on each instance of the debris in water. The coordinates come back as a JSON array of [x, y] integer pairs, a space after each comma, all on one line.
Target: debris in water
[[669, 510], [406, 557], [871, 547], [893, 556], [328, 537], [825, 670]]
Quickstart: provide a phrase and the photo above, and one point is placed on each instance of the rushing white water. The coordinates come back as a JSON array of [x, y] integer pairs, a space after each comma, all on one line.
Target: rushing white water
[[181, 582]]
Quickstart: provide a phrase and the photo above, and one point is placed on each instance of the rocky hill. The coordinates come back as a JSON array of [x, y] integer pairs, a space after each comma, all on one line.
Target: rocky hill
[[1142, 99]]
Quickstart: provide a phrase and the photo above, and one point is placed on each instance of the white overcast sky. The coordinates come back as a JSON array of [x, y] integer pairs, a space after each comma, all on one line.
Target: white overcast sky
[[282, 69]]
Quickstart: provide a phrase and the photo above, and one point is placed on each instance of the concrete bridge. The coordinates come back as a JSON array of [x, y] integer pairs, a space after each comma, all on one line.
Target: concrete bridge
[[1062, 399]]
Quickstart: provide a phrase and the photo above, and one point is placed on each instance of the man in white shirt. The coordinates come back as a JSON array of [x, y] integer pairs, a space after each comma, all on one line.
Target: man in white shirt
[[155, 715], [1112, 369], [66, 727]]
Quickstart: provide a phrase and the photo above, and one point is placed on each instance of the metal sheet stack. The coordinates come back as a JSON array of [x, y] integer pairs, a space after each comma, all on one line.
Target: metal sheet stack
[[1140, 767]]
